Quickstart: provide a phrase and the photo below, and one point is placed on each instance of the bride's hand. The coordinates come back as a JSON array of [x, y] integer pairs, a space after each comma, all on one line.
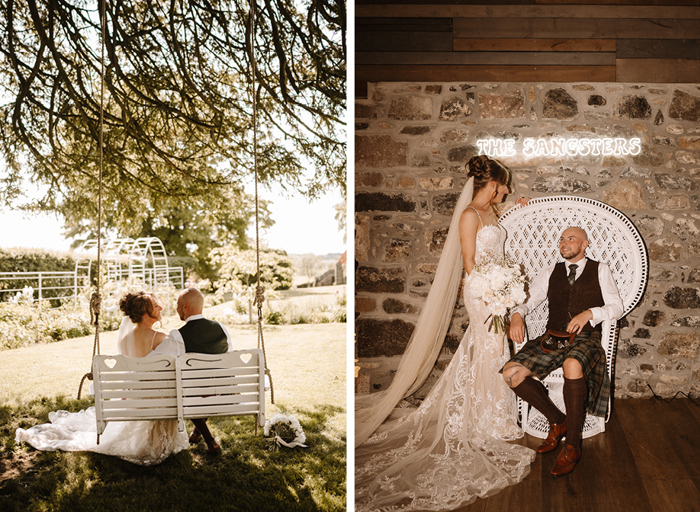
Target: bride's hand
[[522, 201]]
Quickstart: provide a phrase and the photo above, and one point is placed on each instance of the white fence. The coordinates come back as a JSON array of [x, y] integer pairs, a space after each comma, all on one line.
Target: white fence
[[68, 285]]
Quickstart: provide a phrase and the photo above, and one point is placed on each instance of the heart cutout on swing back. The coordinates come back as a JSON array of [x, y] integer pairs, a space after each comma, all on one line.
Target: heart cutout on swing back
[[110, 363], [246, 357]]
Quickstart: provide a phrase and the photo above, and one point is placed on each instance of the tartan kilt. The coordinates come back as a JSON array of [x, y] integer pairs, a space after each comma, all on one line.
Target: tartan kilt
[[588, 351]]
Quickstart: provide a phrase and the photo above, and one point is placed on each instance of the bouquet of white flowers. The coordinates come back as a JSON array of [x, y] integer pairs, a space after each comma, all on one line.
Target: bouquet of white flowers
[[285, 431], [500, 285]]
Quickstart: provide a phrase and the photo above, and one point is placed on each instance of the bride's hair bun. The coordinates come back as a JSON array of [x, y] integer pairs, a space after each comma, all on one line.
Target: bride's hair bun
[[135, 305], [484, 169], [477, 167]]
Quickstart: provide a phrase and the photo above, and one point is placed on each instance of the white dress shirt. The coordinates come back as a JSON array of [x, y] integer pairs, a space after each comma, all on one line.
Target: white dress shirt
[[612, 310], [174, 344]]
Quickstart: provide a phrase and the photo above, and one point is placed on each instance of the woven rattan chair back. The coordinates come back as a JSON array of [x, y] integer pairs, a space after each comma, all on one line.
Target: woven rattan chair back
[[533, 242]]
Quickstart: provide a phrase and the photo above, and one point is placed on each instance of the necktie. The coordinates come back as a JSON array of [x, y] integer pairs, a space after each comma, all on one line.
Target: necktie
[[572, 273]]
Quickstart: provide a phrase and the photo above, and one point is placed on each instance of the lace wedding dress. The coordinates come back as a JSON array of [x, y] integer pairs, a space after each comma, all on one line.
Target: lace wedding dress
[[142, 442], [453, 448]]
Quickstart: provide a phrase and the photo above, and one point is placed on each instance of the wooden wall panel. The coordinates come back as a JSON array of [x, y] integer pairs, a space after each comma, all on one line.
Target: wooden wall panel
[[487, 58], [492, 73], [534, 45], [658, 49], [585, 28], [527, 40], [528, 11], [658, 70]]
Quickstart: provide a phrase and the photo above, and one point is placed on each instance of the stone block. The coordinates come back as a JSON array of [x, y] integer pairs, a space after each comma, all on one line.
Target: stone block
[[649, 226], [462, 154], [510, 105], [688, 158], [362, 383], [560, 185], [689, 142], [379, 151], [684, 107], [633, 107], [454, 136], [363, 111], [682, 298], [596, 100], [410, 108], [405, 183], [642, 333], [368, 179], [397, 250], [421, 159], [674, 202], [665, 250], [625, 195], [637, 385], [377, 338], [688, 321], [649, 157], [680, 344], [444, 204], [675, 182], [362, 237], [454, 108], [694, 276], [365, 305], [654, 318], [415, 130], [380, 280], [398, 307], [436, 183], [383, 202], [436, 241], [559, 104]]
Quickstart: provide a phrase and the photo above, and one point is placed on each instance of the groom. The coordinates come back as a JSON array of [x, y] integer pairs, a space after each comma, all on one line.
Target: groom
[[197, 335], [581, 293]]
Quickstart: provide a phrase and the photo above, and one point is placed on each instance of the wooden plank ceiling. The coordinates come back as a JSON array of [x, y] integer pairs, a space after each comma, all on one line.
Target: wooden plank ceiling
[[527, 41]]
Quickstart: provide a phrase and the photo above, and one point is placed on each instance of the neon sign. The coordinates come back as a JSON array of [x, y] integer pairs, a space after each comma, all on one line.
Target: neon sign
[[560, 147]]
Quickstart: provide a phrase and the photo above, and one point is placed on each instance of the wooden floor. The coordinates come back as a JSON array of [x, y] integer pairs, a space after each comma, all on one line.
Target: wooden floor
[[648, 459]]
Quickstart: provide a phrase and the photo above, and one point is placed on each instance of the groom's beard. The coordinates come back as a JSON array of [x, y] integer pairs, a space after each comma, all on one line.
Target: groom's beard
[[570, 256]]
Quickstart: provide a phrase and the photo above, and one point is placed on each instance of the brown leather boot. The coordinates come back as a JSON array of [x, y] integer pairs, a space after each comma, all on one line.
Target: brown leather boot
[[556, 432], [567, 460], [195, 437]]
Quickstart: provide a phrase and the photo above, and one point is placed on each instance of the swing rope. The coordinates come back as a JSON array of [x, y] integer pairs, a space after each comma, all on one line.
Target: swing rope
[[259, 290], [96, 298]]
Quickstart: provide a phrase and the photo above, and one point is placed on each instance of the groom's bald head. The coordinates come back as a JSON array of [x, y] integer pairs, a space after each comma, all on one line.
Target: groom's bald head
[[190, 302]]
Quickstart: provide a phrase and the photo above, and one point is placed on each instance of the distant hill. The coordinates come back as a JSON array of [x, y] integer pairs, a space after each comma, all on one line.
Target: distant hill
[[335, 256]]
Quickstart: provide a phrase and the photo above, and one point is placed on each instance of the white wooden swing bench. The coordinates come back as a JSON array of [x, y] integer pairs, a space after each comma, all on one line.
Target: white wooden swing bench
[[533, 241], [189, 386]]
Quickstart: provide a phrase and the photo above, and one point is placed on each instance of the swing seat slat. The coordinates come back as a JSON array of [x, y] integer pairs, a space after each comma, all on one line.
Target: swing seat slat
[[179, 387]]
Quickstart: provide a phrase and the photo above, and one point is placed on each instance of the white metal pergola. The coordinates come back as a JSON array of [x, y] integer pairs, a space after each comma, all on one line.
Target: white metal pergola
[[143, 260]]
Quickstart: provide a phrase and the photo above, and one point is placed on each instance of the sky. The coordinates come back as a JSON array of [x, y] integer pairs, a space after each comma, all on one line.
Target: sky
[[300, 226]]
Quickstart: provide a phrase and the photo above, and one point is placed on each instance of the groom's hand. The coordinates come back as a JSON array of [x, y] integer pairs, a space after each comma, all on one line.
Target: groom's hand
[[517, 328], [579, 321]]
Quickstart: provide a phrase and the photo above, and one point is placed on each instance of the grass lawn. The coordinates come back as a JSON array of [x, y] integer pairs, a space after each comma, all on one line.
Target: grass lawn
[[308, 366]]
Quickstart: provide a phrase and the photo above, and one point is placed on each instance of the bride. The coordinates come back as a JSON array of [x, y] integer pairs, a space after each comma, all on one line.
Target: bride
[[453, 448], [141, 442]]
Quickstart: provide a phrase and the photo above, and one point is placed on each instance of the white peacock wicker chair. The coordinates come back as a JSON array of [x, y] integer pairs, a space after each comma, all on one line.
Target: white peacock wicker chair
[[533, 241]]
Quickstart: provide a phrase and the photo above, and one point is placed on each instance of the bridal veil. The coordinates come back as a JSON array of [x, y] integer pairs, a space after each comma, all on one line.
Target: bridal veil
[[428, 335]]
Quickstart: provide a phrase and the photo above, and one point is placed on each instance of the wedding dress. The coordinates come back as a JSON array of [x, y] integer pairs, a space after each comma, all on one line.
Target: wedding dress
[[453, 448], [141, 442]]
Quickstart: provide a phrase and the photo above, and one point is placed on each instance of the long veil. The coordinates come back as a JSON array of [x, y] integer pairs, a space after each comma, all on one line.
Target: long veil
[[125, 338], [428, 335]]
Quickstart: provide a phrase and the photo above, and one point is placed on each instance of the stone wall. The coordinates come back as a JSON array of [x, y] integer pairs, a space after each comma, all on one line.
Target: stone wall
[[412, 143]]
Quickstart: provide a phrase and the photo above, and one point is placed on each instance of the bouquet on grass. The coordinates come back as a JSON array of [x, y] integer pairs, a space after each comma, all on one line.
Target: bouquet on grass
[[285, 431], [501, 285]]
